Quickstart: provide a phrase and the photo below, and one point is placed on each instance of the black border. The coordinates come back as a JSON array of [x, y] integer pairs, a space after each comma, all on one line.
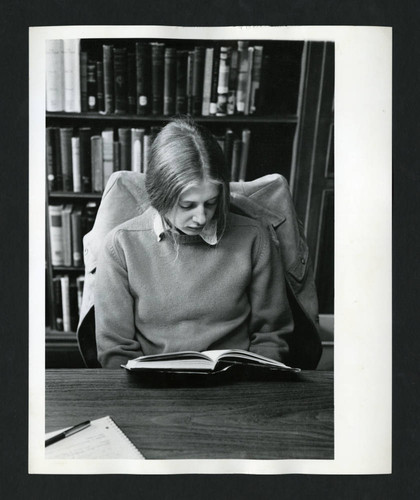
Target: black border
[[404, 17]]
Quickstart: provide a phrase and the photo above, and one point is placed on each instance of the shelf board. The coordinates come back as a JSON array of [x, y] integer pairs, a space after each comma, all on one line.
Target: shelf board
[[57, 336], [290, 118], [62, 269], [73, 196]]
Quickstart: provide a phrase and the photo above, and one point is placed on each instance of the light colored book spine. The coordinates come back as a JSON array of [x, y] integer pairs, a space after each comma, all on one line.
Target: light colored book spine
[[97, 163], [72, 76], [147, 142], [246, 138], [75, 158], [242, 76], [137, 135], [66, 221], [65, 301], [107, 154], [80, 283], [56, 234], [256, 78], [223, 81], [54, 78], [249, 80], [208, 70]]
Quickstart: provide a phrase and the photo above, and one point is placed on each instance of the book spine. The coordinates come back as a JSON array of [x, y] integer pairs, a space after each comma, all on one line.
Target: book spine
[[92, 86], [84, 78], [56, 234], [120, 80], [256, 78], [223, 81], [169, 89], [233, 82], [190, 65], [131, 83], [75, 157], [147, 142], [242, 76], [74, 310], [66, 158], [54, 78], [116, 155], [229, 136], [143, 76], [249, 80], [76, 237], [214, 81], [198, 79], [85, 159], [58, 169], [66, 223], [97, 163], [65, 300], [236, 158], [58, 308], [50, 160], [107, 154], [108, 67], [157, 77], [181, 81], [124, 137], [100, 86], [246, 137], [208, 71], [137, 135], [80, 283], [88, 216], [72, 76]]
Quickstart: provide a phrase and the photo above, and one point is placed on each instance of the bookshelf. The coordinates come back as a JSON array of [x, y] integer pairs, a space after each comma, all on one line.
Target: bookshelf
[[280, 128]]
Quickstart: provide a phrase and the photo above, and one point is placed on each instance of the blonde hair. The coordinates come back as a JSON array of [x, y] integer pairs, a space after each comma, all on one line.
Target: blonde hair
[[185, 154]]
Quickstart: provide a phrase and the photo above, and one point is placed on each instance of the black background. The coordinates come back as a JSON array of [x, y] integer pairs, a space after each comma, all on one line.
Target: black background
[[16, 17]]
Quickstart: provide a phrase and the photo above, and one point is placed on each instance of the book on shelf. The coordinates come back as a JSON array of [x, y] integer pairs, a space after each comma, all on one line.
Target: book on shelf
[[57, 303], [124, 138], [100, 99], [74, 306], [236, 159], [147, 142], [208, 72], [204, 362], [97, 163], [75, 159], [120, 81], [88, 216], [197, 79], [56, 234], [108, 70], [233, 82], [72, 75], [80, 283], [143, 75], [116, 157], [101, 439], [249, 79], [243, 163], [131, 83], [228, 149], [53, 159], [169, 88], [107, 155], [54, 76], [83, 81], [223, 81], [214, 81], [85, 159], [91, 87], [137, 135], [190, 64], [255, 79], [242, 76], [157, 63], [65, 302], [181, 81], [76, 236], [66, 158], [67, 236]]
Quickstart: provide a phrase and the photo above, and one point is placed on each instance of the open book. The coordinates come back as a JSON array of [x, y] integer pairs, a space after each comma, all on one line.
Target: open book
[[205, 361]]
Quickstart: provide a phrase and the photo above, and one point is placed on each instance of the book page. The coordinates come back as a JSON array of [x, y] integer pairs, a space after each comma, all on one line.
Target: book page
[[102, 439]]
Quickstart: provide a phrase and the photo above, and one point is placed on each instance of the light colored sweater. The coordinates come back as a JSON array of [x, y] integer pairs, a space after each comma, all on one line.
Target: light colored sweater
[[151, 299]]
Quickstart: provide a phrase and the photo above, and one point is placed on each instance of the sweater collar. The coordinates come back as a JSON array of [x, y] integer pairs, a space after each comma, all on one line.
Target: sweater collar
[[208, 234]]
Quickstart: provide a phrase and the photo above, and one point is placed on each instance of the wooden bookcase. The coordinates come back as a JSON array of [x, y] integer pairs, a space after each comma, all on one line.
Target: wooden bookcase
[[285, 131]]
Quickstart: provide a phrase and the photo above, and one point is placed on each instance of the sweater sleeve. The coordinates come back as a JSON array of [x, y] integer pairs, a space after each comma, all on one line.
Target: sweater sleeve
[[114, 308], [271, 317]]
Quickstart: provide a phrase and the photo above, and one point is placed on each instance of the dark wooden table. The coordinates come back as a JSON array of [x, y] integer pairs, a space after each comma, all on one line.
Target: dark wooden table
[[276, 418]]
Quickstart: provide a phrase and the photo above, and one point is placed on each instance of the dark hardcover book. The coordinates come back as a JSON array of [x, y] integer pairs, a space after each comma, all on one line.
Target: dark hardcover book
[[214, 81], [88, 216], [124, 138], [108, 65], [158, 50], [97, 163], [74, 308], [169, 87], [198, 79], [236, 159], [92, 86], [58, 308], [66, 222], [243, 164], [117, 155], [85, 159], [154, 130], [53, 158], [120, 81], [143, 77], [181, 81], [76, 236], [100, 86], [131, 83], [233, 82], [83, 81], [190, 65], [229, 137], [66, 158], [55, 222]]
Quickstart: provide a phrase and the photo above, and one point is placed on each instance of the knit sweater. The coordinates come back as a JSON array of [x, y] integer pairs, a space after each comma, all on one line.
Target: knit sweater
[[151, 297]]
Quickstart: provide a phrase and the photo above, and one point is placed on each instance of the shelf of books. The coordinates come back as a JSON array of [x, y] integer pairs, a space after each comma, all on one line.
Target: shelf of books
[[106, 99]]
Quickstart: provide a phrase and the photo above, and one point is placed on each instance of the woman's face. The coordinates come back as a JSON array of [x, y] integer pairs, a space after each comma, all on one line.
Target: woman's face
[[195, 208]]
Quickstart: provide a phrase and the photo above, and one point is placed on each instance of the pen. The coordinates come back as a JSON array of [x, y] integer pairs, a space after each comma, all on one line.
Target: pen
[[67, 433]]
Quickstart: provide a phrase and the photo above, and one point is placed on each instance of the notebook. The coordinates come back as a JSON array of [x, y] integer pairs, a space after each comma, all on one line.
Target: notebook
[[102, 439]]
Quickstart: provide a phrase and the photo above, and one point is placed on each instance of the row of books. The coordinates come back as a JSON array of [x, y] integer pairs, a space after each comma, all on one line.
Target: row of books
[[82, 160], [68, 224], [155, 78], [67, 300]]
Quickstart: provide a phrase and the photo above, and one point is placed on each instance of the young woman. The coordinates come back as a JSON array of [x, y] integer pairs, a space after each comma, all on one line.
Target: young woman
[[188, 274]]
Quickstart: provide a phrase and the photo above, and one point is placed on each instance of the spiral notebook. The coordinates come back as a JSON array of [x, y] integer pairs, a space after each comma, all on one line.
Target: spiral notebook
[[103, 439]]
